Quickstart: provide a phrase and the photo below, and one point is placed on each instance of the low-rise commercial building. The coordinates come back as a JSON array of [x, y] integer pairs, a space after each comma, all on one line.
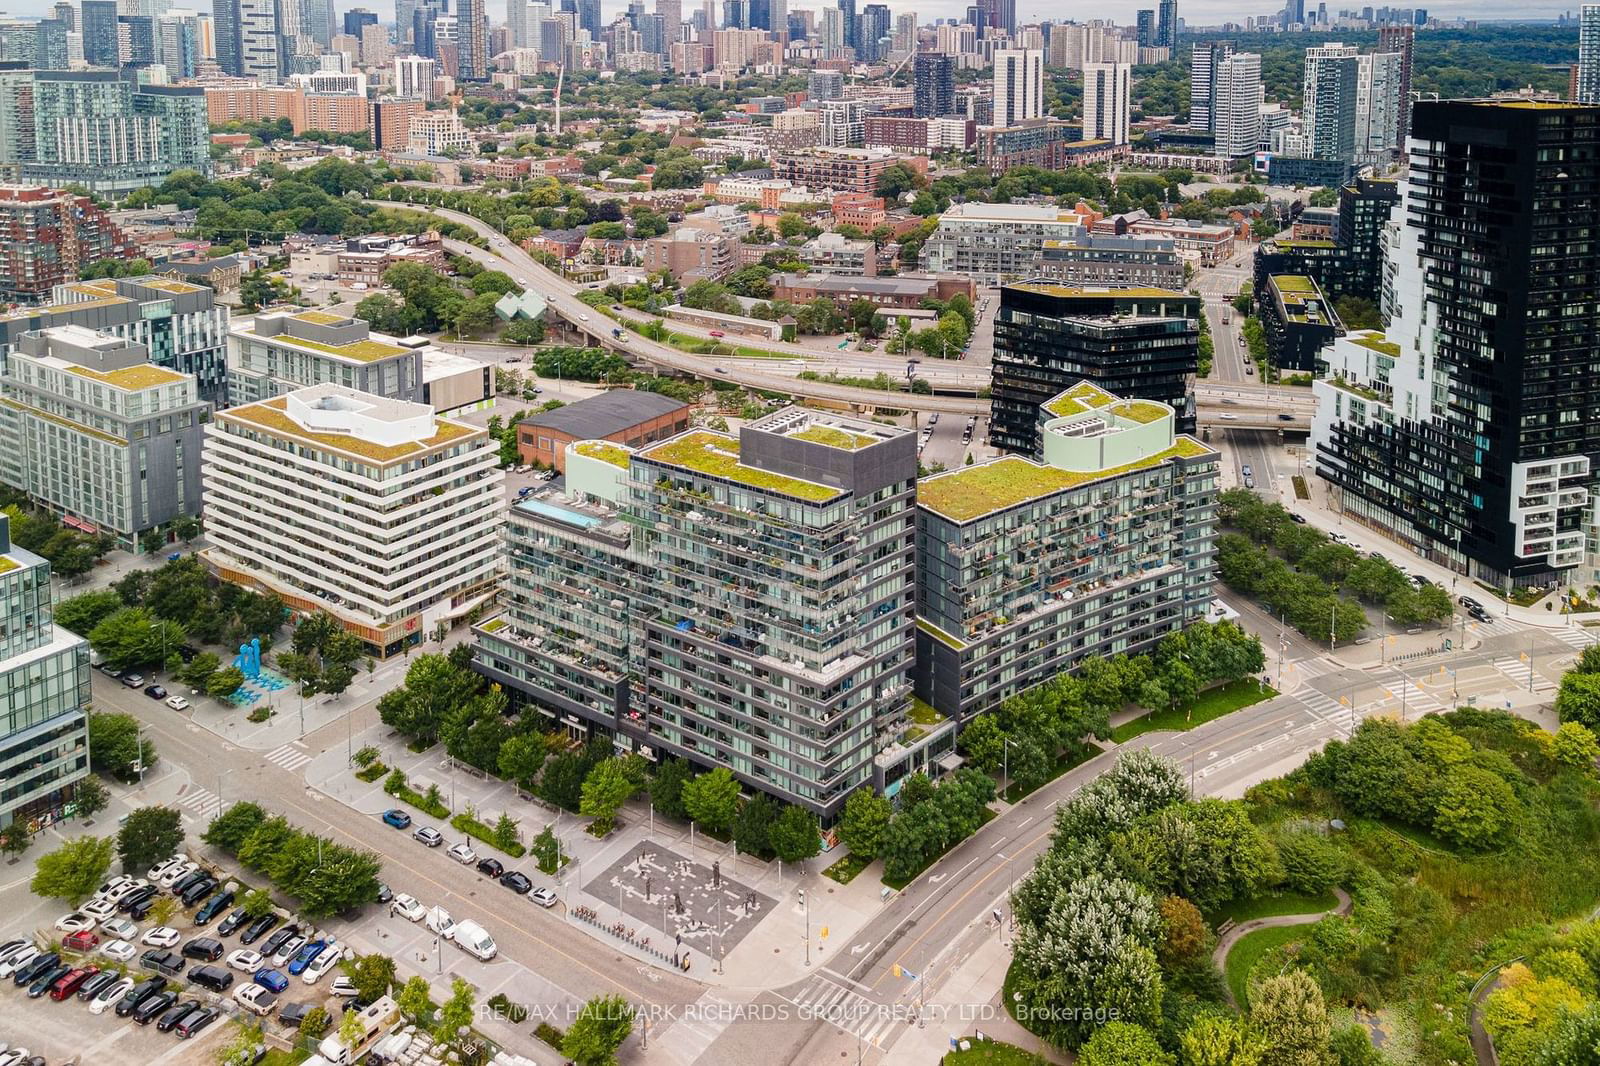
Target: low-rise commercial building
[[365, 259], [739, 602], [1099, 543], [1135, 343], [1205, 243], [96, 434], [44, 690], [280, 352], [374, 510], [623, 416], [896, 293]]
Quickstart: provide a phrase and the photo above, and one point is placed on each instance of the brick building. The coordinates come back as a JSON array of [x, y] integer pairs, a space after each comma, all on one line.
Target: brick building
[[47, 236], [622, 416]]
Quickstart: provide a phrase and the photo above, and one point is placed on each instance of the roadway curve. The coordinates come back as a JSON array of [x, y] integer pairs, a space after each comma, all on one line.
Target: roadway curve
[[639, 350]]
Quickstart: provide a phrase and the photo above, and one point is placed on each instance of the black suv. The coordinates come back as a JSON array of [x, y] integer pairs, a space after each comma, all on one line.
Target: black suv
[[140, 992], [154, 1007], [203, 948], [165, 962], [211, 978], [491, 867]]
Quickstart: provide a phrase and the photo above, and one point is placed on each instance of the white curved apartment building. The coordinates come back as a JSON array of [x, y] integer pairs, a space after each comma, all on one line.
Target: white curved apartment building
[[372, 509]]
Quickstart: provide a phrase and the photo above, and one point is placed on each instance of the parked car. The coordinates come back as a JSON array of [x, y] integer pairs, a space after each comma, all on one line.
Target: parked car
[[344, 988], [237, 917], [463, 853], [429, 836], [136, 897], [254, 998], [246, 961], [44, 980], [491, 867], [109, 996], [278, 939], [75, 922], [175, 874], [99, 909], [408, 907], [258, 928], [198, 891], [195, 1021], [282, 956], [516, 881], [544, 897], [141, 910], [118, 950], [385, 893], [120, 928], [167, 961], [271, 980], [133, 680], [175, 1014], [17, 961], [178, 703], [185, 881], [213, 907], [293, 1014], [327, 960], [11, 947], [150, 986], [155, 692], [82, 942], [305, 956], [97, 983], [203, 947], [213, 978], [162, 936], [69, 983], [152, 1008], [397, 818]]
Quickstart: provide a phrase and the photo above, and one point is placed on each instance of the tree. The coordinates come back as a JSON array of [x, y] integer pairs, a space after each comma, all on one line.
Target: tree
[[373, 975], [91, 796], [521, 757], [599, 1030], [666, 788], [1311, 863], [197, 673], [414, 999], [1288, 1010], [712, 799], [605, 789], [752, 829], [230, 829], [562, 783], [133, 636], [242, 1048], [1215, 1039], [149, 835], [352, 1029], [1475, 809], [256, 903], [1123, 1044], [436, 687], [224, 683], [186, 527], [861, 826], [795, 835], [116, 747], [1351, 1046], [983, 743], [74, 870], [1184, 934], [1575, 745], [82, 613], [1579, 698], [314, 1023], [455, 1017], [152, 540]]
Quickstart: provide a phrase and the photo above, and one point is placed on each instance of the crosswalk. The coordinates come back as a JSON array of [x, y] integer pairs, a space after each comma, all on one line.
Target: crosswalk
[[1413, 699], [1576, 638], [201, 802], [289, 756], [1323, 706], [838, 1005], [1499, 627], [1521, 672], [693, 1030]]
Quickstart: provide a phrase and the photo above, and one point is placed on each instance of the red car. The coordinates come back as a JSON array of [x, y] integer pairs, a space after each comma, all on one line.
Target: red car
[[718, 333], [68, 983], [84, 941]]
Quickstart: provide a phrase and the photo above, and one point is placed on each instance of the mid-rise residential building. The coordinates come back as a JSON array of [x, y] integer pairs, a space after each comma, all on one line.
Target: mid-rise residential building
[[102, 129], [95, 433], [1348, 262], [1107, 106], [833, 253], [842, 123], [1401, 38], [1099, 543], [794, 129], [1378, 79], [1298, 321], [692, 255], [743, 601], [47, 236], [438, 133], [839, 169], [276, 353], [1467, 435], [993, 242], [1124, 262], [179, 323], [371, 509], [1044, 143], [391, 121], [1018, 86], [1136, 343], [413, 77], [44, 690]]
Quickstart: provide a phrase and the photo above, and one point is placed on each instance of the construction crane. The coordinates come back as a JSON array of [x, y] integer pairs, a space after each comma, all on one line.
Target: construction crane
[[561, 73]]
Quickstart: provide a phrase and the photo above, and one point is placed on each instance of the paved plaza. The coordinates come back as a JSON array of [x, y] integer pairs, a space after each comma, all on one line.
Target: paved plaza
[[700, 903]]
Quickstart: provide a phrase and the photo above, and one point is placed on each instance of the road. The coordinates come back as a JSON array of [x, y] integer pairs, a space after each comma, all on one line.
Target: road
[[1244, 448], [561, 297]]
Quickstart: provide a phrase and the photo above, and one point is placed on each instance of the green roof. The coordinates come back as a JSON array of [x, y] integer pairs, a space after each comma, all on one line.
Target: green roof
[[1140, 411], [975, 491], [1287, 283], [717, 455], [605, 451], [940, 635], [365, 351], [833, 437], [7, 565], [1306, 243], [1081, 398], [1375, 341], [1356, 390]]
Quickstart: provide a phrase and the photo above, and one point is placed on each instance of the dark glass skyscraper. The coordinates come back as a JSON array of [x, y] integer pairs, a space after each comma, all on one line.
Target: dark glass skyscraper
[[933, 78], [1137, 343], [100, 35], [1468, 431]]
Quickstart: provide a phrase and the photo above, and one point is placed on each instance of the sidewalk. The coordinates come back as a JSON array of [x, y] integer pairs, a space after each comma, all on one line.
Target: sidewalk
[[771, 953]]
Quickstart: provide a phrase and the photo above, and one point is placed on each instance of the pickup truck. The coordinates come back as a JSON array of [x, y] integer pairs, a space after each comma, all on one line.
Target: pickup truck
[[255, 999]]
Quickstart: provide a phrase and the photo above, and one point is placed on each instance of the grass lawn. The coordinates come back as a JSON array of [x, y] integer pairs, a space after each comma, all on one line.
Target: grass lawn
[[1014, 791], [898, 884], [1248, 951], [1209, 705], [991, 1053], [845, 870], [1243, 910]]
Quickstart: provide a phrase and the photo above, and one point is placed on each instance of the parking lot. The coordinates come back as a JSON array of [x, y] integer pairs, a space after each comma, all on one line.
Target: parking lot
[[68, 1031]]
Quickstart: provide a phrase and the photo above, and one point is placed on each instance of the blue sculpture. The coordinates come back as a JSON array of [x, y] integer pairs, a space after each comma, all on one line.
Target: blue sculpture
[[249, 658]]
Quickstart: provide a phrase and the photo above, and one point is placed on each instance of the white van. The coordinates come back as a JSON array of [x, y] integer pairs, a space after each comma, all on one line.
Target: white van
[[475, 940], [438, 919]]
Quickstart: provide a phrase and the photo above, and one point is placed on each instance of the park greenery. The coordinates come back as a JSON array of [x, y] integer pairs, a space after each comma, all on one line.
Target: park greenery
[[70, 554], [1463, 840], [1578, 700], [117, 747], [326, 877], [1311, 581], [148, 614]]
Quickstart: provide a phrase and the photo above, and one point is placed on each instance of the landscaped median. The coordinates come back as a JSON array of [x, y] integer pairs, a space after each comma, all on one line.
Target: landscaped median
[[1208, 706], [428, 803]]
